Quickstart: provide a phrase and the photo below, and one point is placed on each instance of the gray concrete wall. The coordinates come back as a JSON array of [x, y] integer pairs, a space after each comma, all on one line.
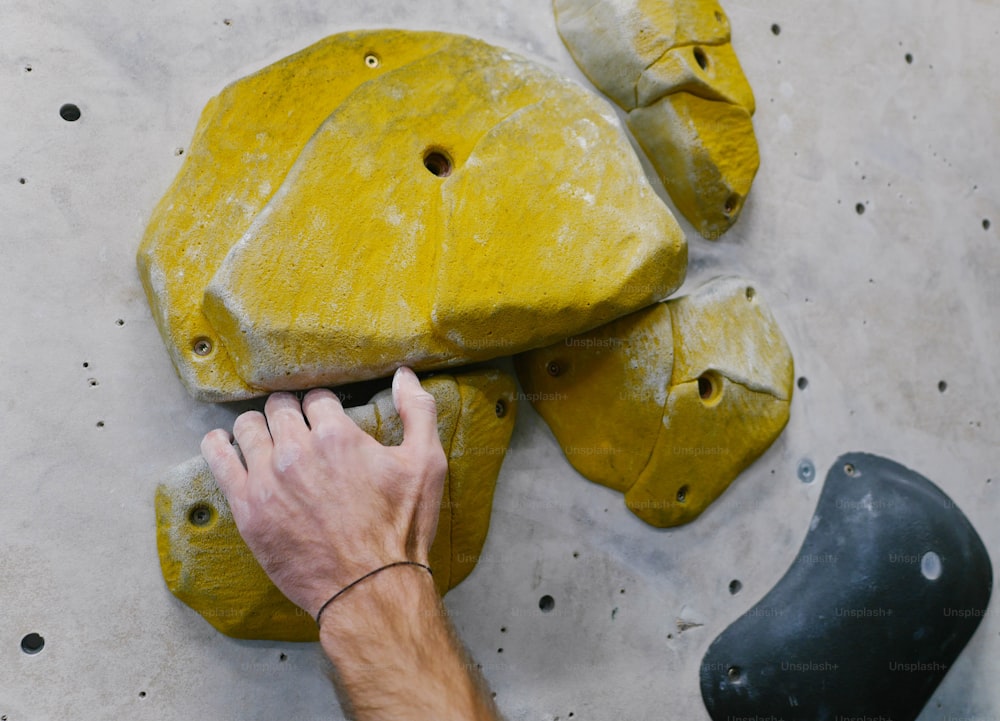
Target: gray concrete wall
[[878, 307]]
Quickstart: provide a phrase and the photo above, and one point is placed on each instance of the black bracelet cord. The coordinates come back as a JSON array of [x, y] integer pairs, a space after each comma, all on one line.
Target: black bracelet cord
[[354, 583]]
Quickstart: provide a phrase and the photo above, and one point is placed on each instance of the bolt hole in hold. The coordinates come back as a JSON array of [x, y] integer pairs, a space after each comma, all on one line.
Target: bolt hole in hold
[[546, 603], [735, 674], [850, 470], [807, 471], [69, 112], [682, 494], [553, 369], [501, 408], [735, 586], [372, 60], [709, 388], [701, 58], [751, 294], [200, 515], [437, 162], [930, 566], [32, 643], [202, 347], [732, 204]]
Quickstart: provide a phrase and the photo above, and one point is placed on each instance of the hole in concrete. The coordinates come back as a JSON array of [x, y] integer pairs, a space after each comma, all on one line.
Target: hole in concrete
[[553, 369], [372, 60], [142, 694], [499, 650], [202, 347], [682, 494], [503, 629], [501, 408], [546, 603], [776, 29], [200, 514], [735, 674], [32, 643], [120, 322], [909, 59], [701, 58], [806, 471], [942, 386], [22, 181], [27, 68], [735, 586], [930, 566], [438, 163], [93, 382], [986, 221], [100, 424], [803, 383], [69, 112], [860, 208], [283, 657]]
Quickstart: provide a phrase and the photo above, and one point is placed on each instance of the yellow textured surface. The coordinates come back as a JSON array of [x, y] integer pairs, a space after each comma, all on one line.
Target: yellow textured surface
[[677, 398], [619, 371], [387, 197], [706, 154], [651, 56], [208, 566]]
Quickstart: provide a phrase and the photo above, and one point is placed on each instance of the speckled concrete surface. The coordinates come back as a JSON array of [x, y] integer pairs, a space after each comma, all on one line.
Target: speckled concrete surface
[[872, 229]]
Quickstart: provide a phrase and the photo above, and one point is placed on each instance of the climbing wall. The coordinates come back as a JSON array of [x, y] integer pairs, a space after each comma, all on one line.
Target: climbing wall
[[871, 231]]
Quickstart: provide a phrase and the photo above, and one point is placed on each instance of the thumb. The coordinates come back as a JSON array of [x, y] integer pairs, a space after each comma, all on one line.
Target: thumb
[[417, 410]]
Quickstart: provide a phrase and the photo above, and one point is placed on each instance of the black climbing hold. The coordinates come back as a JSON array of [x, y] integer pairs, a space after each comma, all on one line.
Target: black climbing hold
[[888, 587]]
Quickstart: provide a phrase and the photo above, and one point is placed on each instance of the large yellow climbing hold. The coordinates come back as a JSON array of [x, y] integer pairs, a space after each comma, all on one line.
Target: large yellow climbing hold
[[668, 405], [671, 65], [395, 197], [207, 565]]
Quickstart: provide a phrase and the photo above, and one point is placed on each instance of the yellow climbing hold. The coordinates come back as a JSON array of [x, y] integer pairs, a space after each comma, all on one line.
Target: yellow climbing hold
[[668, 405], [670, 64], [207, 565], [393, 197]]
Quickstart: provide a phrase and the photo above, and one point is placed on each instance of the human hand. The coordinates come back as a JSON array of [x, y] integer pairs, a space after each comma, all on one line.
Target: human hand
[[320, 503]]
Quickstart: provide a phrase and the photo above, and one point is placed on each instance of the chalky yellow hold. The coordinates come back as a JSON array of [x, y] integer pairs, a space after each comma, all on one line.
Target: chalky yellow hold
[[670, 404], [207, 565], [392, 197], [671, 65]]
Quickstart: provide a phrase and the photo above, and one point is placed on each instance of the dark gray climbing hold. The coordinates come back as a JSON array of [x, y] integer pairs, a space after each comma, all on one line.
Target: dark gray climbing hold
[[888, 587]]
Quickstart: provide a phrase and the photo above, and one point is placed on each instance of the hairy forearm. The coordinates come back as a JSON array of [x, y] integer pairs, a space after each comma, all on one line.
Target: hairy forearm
[[395, 655]]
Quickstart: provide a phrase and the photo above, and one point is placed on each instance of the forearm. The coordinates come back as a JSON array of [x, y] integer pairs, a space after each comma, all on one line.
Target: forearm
[[395, 655]]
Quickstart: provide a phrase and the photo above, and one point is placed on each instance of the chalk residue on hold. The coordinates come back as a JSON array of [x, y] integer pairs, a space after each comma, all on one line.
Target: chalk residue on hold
[[495, 199], [675, 400], [207, 565]]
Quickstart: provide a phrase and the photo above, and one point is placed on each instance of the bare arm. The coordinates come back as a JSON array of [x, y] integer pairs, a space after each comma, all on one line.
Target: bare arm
[[321, 503]]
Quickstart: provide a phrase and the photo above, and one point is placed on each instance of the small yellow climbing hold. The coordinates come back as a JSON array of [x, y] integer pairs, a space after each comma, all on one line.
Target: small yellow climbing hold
[[670, 64], [668, 405], [207, 565], [393, 197]]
